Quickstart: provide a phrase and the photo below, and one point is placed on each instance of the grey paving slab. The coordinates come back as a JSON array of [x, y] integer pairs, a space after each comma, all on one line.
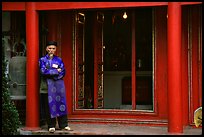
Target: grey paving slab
[[113, 129]]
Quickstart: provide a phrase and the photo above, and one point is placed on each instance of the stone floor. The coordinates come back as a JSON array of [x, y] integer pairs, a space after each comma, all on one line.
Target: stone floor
[[111, 129]]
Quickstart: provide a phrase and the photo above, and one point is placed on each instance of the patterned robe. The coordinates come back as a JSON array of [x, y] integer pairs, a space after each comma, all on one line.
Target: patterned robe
[[55, 82]]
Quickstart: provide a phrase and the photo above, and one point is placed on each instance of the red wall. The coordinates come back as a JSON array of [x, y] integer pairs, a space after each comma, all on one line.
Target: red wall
[[66, 52], [184, 67], [195, 38], [161, 61]]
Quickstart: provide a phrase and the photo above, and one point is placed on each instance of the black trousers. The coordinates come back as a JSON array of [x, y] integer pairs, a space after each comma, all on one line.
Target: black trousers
[[45, 113]]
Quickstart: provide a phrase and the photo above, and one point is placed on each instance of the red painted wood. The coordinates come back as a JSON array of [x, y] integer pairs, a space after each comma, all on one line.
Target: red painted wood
[[95, 62], [53, 19], [52, 25], [160, 67], [184, 65], [175, 123], [79, 36], [32, 70], [133, 63], [200, 54], [195, 98], [66, 52], [78, 40], [15, 6], [97, 36], [84, 5]]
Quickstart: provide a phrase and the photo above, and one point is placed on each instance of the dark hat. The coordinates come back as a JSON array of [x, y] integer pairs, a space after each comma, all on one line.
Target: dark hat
[[51, 43]]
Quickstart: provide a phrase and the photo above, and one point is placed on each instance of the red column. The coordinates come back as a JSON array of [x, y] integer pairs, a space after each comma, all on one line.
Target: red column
[[175, 123], [32, 70]]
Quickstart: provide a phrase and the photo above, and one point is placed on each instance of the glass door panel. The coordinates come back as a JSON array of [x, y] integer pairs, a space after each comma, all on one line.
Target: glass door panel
[[144, 58]]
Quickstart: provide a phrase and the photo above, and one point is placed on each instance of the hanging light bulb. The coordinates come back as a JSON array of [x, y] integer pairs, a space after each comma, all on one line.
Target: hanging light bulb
[[125, 15]]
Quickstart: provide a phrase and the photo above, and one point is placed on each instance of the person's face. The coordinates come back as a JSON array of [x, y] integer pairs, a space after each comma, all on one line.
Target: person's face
[[51, 49]]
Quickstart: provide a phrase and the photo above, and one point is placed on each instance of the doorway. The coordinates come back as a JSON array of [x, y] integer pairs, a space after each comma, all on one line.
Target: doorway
[[104, 54]]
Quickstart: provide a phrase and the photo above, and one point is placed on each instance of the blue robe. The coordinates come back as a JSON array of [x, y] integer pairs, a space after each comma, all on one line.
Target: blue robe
[[55, 82]]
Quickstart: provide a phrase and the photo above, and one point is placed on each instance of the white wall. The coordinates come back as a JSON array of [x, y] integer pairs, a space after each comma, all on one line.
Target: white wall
[[113, 88]]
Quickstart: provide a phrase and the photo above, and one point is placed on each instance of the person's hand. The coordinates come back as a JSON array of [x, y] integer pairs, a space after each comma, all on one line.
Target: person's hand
[[51, 55], [59, 69]]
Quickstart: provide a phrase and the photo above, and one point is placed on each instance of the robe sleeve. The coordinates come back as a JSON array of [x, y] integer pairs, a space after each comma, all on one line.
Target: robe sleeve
[[46, 69], [62, 73]]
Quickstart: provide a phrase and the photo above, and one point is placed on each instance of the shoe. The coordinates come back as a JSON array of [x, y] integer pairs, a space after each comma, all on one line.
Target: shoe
[[52, 130], [67, 128]]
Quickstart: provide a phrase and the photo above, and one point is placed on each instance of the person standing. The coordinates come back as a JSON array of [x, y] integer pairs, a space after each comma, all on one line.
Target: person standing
[[52, 71]]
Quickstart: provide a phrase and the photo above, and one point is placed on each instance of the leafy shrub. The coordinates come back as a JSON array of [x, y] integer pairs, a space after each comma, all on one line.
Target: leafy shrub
[[10, 116]]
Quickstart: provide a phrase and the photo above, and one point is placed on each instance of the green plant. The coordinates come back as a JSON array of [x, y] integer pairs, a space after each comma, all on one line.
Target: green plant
[[10, 116]]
